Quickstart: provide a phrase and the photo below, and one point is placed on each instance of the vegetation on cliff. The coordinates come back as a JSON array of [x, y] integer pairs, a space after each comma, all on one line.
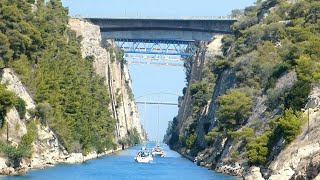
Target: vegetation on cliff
[[7, 100], [272, 39], [35, 41]]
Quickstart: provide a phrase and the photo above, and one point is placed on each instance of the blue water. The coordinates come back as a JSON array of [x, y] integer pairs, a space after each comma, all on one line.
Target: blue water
[[121, 165]]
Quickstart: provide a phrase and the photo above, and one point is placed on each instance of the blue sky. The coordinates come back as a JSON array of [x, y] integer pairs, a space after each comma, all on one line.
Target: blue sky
[[146, 78], [107, 8]]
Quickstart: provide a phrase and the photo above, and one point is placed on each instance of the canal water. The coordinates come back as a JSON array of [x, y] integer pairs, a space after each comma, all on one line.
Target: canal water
[[121, 165]]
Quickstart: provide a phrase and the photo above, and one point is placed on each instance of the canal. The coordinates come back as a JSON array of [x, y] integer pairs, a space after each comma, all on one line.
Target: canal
[[121, 165]]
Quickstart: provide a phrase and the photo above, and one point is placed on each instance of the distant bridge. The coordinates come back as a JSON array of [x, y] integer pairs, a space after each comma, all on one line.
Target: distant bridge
[[160, 103]]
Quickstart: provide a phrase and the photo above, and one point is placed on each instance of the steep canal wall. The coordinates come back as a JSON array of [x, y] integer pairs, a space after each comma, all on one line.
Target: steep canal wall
[[247, 111], [46, 148], [107, 63]]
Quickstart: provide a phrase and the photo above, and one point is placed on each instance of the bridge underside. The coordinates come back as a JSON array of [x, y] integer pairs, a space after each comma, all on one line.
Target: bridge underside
[[172, 29], [156, 52], [160, 35]]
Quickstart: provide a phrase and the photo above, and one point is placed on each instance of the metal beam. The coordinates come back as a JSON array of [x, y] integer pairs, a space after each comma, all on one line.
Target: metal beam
[[158, 60], [161, 103], [157, 64], [159, 41], [183, 48]]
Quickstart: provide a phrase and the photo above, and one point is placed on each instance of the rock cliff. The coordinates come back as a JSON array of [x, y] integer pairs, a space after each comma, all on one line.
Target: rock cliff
[[257, 147], [116, 74], [299, 160], [46, 148]]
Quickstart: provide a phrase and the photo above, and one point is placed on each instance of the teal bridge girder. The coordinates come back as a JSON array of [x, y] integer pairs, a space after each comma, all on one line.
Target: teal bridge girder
[[183, 48]]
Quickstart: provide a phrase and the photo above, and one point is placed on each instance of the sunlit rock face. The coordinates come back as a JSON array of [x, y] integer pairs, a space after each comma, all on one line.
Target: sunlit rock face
[[301, 159], [117, 77]]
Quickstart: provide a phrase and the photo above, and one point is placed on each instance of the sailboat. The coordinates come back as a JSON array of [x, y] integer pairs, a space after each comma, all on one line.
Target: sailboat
[[144, 155], [157, 150]]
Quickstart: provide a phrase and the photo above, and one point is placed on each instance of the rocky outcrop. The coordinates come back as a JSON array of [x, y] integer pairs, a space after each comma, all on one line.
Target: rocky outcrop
[[15, 85], [15, 128], [46, 149], [116, 74], [254, 174], [301, 159]]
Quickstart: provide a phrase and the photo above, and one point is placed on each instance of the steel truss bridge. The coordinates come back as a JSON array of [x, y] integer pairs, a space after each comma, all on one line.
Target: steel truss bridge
[[160, 40], [156, 52]]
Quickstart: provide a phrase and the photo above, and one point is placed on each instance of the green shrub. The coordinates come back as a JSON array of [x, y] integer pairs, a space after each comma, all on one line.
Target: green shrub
[[131, 139], [290, 124], [297, 97], [21, 107], [257, 150], [245, 134], [190, 141], [213, 134], [7, 100], [219, 65], [200, 96], [30, 136], [234, 109], [43, 112], [14, 154], [235, 156]]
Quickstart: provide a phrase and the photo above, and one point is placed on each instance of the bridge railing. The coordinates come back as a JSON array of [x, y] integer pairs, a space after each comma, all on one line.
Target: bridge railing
[[161, 18]]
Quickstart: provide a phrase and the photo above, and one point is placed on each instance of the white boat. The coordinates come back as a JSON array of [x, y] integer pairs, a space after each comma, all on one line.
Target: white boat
[[143, 156], [158, 151]]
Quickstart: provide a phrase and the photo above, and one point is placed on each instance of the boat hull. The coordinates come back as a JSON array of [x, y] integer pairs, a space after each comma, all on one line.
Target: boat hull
[[143, 159], [158, 154]]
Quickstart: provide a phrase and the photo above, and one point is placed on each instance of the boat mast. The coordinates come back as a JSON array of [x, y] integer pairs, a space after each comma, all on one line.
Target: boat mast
[[145, 123], [158, 127]]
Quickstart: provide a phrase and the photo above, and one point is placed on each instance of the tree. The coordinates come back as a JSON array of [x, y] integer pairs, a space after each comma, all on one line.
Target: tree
[[5, 52], [21, 107], [234, 109], [7, 100], [305, 68], [236, 13], [290, 124], [257, 150], [297, 97], [200, 96]]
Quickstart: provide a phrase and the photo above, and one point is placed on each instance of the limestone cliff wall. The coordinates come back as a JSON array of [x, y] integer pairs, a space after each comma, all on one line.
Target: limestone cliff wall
[[116, 74], [184, 116], [47, 150], [185, 110], [299, 160]]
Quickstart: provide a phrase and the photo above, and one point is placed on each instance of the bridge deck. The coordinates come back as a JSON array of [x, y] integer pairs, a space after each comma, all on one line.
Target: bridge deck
[[182, 28], [166, 18]]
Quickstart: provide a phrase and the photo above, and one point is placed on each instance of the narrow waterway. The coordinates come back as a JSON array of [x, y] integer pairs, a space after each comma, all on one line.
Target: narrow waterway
[[121, 165]]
